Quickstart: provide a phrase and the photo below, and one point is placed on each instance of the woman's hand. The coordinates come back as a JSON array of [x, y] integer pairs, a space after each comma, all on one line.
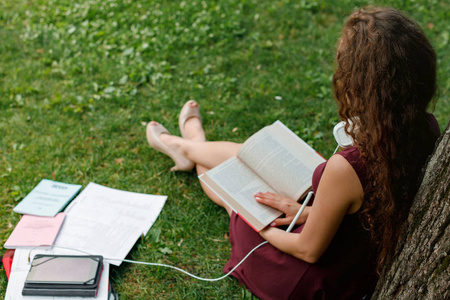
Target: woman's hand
[[288, 206]]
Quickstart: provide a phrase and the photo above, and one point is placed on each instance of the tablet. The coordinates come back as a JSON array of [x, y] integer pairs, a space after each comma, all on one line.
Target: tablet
[[60, 271]]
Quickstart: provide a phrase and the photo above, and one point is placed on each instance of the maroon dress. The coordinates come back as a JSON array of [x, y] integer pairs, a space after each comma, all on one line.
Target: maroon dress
[[345, 270]]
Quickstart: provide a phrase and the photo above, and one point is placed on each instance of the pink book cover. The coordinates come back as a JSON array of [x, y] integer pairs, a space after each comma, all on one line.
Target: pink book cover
[[34, 231]]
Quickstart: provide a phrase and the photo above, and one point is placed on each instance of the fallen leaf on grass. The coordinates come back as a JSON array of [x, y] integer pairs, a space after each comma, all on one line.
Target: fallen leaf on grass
[[165, 250]]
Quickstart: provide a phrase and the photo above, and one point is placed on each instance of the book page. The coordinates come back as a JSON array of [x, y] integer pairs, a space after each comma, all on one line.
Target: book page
[[236, 184], [280, 157]]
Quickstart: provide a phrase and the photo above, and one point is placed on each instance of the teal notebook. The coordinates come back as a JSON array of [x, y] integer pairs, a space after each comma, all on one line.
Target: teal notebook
[[47, 198]]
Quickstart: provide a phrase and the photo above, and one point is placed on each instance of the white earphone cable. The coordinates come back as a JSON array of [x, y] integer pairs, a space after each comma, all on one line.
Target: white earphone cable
[[181, 270]]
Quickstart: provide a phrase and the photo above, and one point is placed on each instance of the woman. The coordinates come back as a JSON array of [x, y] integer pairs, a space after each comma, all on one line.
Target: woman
[[384, 82]]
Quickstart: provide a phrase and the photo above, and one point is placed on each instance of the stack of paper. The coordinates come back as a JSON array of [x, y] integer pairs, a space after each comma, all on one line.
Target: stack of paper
[[108, 222], [99, 221]]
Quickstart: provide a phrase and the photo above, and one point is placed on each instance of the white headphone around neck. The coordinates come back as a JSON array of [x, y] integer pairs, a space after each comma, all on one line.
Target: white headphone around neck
[[342, 138]]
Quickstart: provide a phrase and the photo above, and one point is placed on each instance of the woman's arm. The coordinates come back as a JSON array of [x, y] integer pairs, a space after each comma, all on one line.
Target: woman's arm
[[288, 206], [339, 193]]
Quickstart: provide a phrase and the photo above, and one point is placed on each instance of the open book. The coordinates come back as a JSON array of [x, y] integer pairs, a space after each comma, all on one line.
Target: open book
[[272, 160]]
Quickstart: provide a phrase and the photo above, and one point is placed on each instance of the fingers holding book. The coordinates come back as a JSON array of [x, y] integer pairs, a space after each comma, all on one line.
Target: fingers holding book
[[288, 206]]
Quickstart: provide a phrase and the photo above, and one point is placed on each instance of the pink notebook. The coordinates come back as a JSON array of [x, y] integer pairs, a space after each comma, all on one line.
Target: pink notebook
[[34, 231]]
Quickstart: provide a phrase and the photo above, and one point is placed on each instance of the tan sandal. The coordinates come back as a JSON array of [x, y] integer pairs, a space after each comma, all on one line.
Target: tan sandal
[[188, 112], [181, 163]]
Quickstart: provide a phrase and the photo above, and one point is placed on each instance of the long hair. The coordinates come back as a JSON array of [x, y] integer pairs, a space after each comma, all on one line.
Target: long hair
[[384, 82]]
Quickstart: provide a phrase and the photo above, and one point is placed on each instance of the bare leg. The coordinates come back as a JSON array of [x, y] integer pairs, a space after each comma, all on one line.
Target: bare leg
[[213, 196], [206, 155], [195, 147]]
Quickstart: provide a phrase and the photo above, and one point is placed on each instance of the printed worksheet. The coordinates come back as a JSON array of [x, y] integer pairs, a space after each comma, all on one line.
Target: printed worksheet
[[108, 222]]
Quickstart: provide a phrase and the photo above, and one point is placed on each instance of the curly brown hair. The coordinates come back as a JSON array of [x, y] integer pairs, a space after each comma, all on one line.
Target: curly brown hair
[[385, 81]]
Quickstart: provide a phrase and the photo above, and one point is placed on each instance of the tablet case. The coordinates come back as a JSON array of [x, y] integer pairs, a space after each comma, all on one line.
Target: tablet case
[[57, 289], [7, 260], [59, 292]]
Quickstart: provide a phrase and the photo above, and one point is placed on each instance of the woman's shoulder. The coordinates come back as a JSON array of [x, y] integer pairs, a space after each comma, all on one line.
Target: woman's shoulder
[[338, 163], [350, 153], [340, 166], [341, 186], [353, 157]]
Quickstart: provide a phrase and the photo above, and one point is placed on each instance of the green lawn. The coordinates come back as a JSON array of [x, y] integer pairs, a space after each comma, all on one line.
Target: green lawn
[[80, 79]]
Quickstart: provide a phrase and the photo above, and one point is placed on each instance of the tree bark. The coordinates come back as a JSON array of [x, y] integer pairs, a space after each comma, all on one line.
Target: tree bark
[[420, 265]]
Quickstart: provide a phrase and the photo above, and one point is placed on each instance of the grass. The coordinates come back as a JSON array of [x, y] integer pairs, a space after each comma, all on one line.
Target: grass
[[79, 80]]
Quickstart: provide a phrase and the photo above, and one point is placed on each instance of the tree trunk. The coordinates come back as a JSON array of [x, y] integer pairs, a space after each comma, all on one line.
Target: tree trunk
[[420, 266]]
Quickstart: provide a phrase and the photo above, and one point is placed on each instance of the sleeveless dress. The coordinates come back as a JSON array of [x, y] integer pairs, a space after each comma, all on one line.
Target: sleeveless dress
[[345, 271]]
